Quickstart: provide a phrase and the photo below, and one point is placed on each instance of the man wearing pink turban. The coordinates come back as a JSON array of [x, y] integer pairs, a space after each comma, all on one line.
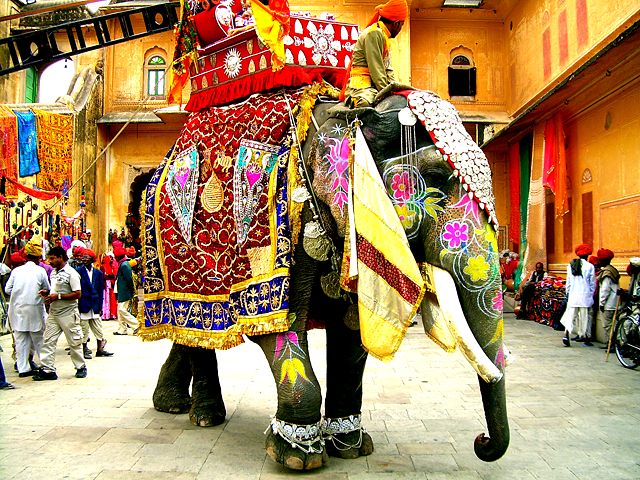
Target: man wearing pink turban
[[370, 70], [580, 287]]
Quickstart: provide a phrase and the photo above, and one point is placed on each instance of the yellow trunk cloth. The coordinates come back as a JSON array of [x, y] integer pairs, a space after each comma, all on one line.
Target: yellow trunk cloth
[[390, 285]]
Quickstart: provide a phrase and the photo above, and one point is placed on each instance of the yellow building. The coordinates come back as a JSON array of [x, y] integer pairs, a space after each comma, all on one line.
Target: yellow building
[[509, 66]]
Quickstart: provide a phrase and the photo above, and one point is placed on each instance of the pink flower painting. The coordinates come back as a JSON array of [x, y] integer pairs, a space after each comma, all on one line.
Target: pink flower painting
[[455, 233], [402, 187]]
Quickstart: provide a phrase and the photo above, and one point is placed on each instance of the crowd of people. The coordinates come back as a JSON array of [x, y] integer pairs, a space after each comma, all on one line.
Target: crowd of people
[[592, 291], [70, 293]]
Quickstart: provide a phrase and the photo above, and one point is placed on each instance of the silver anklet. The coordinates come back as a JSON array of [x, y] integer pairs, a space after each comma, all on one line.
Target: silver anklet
[[299, 436], [343, 425]]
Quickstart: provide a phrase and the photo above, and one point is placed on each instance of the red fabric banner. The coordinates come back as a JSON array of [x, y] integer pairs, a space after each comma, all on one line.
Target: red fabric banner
[[554, 174], [39, 194], [9, 149], [549, 163], [514, 192]]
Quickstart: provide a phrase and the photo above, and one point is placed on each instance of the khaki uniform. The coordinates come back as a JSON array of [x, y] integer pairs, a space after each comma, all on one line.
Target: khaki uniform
[[63, 318], [371, 66]]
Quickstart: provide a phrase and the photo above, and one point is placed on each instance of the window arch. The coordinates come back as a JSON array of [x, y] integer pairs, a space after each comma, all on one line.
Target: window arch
[[462, 73], [154, 67]]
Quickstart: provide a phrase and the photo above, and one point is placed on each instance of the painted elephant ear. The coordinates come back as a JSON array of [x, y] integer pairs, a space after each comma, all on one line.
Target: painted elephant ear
[[468, 161]]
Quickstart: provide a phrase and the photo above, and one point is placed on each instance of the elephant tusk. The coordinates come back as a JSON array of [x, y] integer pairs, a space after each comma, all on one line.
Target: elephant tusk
[[457, 323]]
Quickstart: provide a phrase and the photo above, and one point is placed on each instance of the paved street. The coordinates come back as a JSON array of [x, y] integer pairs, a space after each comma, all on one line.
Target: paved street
[[572, 416]]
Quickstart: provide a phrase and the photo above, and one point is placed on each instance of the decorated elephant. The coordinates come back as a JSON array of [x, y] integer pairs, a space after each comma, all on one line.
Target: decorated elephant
[[290, 209]]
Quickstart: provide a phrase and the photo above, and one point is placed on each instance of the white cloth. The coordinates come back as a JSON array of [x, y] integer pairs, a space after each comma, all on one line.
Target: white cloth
[[608, 294], [26, 343], [4, 269], [125, 318], [26, 306], [580, 288], [576, 320]]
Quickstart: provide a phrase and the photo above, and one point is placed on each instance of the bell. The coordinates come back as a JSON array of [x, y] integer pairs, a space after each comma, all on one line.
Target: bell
[[316, 242]]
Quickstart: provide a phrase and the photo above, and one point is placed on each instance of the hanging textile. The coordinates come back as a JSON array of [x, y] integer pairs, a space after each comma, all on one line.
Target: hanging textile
[[549, 156], [525, 148], [8, 149], [185, 52], [39, 194], [55, 149], [218, 269], [554, 174], [272, 25], [514, 193], [390, 285], [28, 140]]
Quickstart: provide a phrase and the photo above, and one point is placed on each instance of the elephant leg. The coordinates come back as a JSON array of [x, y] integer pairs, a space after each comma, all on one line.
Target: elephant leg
[[207, 407], [172, 390], [294, 439], [346, 359]]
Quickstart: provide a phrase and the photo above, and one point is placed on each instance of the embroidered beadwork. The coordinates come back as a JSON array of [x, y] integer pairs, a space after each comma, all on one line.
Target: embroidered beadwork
[[251, 177], [182, 188], [305, 437]]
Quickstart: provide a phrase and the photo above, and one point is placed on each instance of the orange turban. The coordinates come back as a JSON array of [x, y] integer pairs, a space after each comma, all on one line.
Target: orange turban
[[90, 253], [583, 249], [605, 254], [394, 10]]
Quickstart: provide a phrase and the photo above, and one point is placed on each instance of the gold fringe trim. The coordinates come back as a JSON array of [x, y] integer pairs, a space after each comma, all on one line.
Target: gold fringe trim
[[403, 330], [223, 340]]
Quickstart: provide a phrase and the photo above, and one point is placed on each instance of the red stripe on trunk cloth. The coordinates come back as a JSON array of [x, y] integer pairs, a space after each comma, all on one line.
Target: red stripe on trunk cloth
[[377, 262]]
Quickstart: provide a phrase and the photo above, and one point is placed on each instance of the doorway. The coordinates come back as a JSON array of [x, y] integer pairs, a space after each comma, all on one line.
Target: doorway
[[134, 220]]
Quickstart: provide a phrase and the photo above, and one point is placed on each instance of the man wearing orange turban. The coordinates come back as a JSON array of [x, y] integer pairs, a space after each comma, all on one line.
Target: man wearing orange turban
[[580, 287], [370, 69], [608, 280]]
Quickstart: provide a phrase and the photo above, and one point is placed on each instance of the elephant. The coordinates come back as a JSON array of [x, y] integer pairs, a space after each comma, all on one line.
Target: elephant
[[442, 194]]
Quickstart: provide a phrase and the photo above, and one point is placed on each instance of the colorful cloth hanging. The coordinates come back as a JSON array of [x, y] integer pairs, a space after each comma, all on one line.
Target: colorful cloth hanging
[[9, 149], [55, 149], [390, 285], [28, 140], [221, 270], [39, 194]]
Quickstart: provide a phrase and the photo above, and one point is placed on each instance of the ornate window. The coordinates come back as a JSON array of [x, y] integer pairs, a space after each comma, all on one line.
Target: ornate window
[[154, 76], [462, 76]]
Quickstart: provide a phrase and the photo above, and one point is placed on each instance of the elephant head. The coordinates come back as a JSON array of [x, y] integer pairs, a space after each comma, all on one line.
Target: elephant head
[[440, 184]]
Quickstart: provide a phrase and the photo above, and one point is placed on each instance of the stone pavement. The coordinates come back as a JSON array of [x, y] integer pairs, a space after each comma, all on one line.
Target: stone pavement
[[572, 416]]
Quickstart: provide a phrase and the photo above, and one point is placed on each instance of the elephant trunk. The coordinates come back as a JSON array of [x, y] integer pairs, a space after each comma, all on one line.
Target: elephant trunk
[[491, 448]]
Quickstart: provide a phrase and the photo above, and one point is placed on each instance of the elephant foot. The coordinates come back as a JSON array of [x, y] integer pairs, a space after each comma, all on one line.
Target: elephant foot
[[169, 400], [172, 390], [350, 445], [297, 447], [345, 438], [207, 413]]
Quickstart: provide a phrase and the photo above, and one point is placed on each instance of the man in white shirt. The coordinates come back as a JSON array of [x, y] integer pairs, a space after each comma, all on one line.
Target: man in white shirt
[[26, 307], [63, 316], [580, 287]]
